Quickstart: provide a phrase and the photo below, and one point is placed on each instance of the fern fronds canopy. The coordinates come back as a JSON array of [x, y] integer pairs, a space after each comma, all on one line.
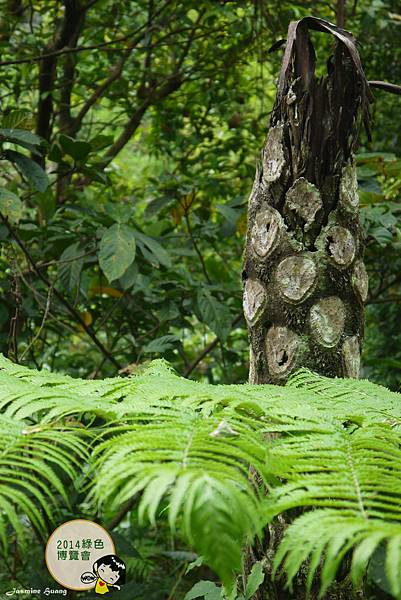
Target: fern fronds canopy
[[204, 457]]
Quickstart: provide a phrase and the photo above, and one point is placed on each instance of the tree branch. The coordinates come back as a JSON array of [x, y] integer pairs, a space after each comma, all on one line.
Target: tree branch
[[387, 87], [129, 129], [67, 50], [116, 520], [98, 93], [45, 315], [69, 32], [154, 95], [74, 313], [208, 349], [116, 72], [196, 248], [340, 13]]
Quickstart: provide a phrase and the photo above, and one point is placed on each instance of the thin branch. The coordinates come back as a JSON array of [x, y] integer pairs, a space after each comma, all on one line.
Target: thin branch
[[388, 300], [387, 87], [65, 50], [45, 315], [382, 288], [74, 313], [116, 338], [129, 129], [108, 314], [190, 40], [66, 35], [156, 93], [68, 50], [196, 248], [340, 13], [12, 336], [209, 348], [124, 510], [65, 260], [115, 74]]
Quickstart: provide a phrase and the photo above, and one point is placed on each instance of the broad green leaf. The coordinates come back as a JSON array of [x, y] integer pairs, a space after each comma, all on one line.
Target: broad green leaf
[[119, 212], [77, 149], [19, 135], [192, 14], [70, 267], [198, 562], [161, 344], [215, 314], [382, 235], [255, 580], [160, 255], [231, 214], [30, 169], [370, 185], [55, 153], [365, 172], [387, 220], [46, 204], [116, 251], [374, 156], [101, 141], [204, 589], [21, 119], [129, 277], [95, 172], [10, 205], [180, 555]]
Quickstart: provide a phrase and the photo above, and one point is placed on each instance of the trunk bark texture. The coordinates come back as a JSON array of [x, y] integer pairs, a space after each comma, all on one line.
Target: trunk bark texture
[[304, 278]]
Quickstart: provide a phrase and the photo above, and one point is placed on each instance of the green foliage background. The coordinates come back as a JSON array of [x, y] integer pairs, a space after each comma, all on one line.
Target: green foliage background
[[151, 140]]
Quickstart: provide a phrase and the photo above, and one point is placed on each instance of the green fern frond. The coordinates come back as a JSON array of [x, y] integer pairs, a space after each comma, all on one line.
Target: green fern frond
[[37, 464], [204, 477], [349, 398], [328, 446], [356, 476]]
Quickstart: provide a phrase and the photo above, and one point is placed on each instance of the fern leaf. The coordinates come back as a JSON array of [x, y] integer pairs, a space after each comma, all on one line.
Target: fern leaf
[[187, 450]]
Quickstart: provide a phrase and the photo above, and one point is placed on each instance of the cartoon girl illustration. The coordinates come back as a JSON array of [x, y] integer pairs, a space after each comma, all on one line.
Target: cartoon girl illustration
[[108, 571]]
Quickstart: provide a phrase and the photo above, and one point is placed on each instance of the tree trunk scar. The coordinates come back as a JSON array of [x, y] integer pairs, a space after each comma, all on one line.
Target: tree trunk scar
[[327, 318], [254, 300], [360, 280], [266, 231], [281, 349], [295, 277], [351, 357], [273, 155]]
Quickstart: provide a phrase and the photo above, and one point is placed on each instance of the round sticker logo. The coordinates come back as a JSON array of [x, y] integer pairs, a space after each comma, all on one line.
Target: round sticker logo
[[73, 552]]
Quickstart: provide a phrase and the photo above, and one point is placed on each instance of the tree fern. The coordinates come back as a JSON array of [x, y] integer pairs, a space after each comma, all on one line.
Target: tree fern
[[185, 449]]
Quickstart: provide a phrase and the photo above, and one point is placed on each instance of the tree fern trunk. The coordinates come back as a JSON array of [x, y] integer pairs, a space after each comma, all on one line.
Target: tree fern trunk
[[304, 278]]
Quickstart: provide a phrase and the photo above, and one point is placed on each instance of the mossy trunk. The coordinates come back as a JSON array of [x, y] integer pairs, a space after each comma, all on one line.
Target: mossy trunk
[[304, 279]]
